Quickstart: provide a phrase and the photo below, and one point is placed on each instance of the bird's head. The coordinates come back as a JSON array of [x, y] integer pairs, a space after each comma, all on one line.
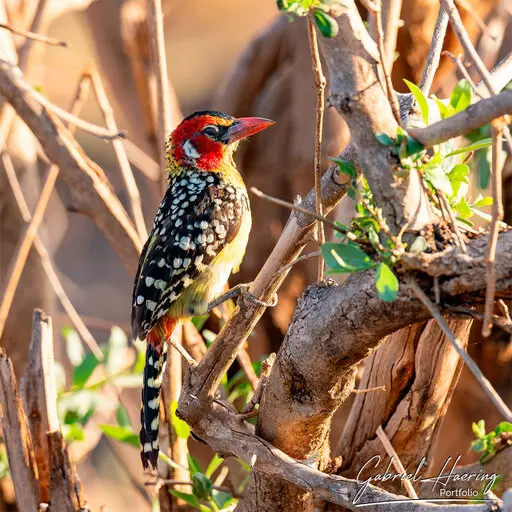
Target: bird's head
[[206, 140]]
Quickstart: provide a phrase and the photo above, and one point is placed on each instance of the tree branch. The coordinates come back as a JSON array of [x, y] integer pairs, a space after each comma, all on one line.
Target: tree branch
[[476, 115], [90, 190]]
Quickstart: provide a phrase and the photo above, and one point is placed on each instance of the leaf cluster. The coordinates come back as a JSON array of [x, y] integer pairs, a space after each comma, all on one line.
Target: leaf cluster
[[320, 9], [488, 443]]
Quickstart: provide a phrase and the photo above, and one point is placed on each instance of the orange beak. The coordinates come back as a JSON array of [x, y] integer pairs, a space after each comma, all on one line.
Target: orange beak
[[244, 127]]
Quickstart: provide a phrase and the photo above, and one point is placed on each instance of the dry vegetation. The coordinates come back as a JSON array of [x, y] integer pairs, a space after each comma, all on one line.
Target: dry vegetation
[[386, 346]]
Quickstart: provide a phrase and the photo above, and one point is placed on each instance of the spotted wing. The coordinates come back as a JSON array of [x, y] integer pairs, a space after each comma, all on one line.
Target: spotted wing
[[195, 221]]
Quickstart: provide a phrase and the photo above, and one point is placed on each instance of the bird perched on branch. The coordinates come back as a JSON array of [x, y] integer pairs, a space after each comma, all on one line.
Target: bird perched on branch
[[199, 237]]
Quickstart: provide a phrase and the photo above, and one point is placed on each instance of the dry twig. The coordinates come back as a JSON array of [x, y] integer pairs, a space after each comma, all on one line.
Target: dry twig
[[497, 217], [320, 100], [434, 52], [20, 451], [21, 255], [34, 36], [395, 107], [46, 262], [396, 461], [300, 209], [122, 158], [464, 72], [480, 377], [304, 257], [156, 34]]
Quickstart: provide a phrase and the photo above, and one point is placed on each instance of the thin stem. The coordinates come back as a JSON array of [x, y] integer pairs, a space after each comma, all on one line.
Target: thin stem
[[475, 370], [393, 100], [497, 216], [121, 156], [320, 100], [383, 438], [460, 66], [24, 246], [186, 356], [47, 263], [297, 260], [305, 211], [458, 236], [156, 35], [368, 390], [34, 36], [142, 161], [93, 129], [434, 52]]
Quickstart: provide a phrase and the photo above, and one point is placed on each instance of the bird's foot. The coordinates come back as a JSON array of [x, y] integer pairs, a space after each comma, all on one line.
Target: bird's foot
[[238, 291]]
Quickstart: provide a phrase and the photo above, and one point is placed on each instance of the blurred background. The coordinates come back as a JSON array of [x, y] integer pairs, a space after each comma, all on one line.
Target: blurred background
[[243, 58]]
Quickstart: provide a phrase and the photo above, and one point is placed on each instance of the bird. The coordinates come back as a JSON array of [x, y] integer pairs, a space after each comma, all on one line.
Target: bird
[[198, 239]]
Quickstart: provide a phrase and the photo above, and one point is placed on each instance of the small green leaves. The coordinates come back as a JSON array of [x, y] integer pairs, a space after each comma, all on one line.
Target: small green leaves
[[122, 416], [484, 143], [438, 179], [201, 486], [180, 427], [345, 258], [483, 201], [386, 283], [487, 442], [124, 434], [84, 370], [384, 139], [460, 99], [326, 24], [420, 98], [345, 167], [213, 465]]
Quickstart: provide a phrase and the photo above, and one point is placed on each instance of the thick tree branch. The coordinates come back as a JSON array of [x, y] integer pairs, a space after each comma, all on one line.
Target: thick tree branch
[[476, 115], [90, 190]]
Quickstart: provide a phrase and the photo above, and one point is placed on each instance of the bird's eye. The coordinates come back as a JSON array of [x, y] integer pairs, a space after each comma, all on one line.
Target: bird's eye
[[211, 131]]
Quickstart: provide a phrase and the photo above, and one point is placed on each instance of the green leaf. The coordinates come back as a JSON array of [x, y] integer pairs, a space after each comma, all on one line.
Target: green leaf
[[201, 486], [484, 143], [180, 427], [84, 370], [420, 98], [213, 465], [483, 165], [463, 209], [222, 499], [116, 350], [504, 426], [123, 434], [457, 176], [460, 99], [479, 429], [193, 465], [122, 416], [74, 347], [199, 321], [187, 498], [438, 179], [73, 432], [414, 148], [384, 139], [484, 201], [346, 258], [345, 167], [326, 24], [386, 283], [445, 110]]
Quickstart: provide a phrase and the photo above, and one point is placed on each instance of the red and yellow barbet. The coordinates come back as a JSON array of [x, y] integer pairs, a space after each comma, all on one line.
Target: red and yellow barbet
[[199, 237]]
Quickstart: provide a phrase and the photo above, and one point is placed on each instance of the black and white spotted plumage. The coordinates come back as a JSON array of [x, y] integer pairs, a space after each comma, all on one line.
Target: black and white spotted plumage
[[199, 215]]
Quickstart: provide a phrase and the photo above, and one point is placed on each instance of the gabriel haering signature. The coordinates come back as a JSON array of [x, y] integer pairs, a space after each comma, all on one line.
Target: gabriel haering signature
[[445, 482]]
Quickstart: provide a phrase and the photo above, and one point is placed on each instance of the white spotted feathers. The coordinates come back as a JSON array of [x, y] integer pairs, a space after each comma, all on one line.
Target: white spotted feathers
[[199, 215]]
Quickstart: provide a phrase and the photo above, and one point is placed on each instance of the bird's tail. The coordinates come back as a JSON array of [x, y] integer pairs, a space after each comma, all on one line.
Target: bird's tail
[[156, 356]]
